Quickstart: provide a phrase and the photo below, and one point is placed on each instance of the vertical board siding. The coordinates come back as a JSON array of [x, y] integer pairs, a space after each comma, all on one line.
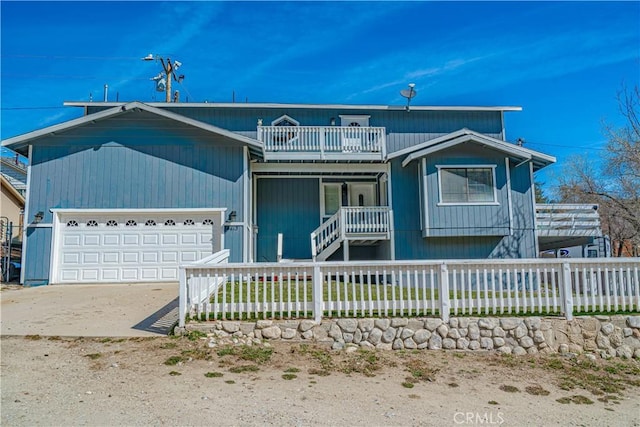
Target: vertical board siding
[[461, 220], [290, 206], [142, 166], [410, 244], [36, 268]]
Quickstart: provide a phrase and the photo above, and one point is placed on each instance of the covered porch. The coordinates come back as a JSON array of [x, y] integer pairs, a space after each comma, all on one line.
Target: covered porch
[[322, 211]]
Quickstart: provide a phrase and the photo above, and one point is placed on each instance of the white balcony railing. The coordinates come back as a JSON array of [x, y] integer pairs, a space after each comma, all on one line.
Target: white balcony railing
[[568, 220], [323, 140]]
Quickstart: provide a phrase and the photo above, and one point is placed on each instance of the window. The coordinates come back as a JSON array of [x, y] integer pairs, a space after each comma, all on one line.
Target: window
[[92, 223], [72, 223], [131, 223], [169, 223], [189, 222], [474, 185], [150, 223], [207, 222], [332, 198], [112, 223]]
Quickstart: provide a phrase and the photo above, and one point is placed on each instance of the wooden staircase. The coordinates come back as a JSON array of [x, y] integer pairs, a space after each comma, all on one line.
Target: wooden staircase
[[351, 225]]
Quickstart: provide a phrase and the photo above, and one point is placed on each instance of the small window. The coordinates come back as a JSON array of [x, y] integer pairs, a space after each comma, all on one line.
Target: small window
[[150, 223], [285, 121], [189, 222], [72, 223], [207, 222], [170, 222], [131, 223], [112, 223], [92, 223], [467, 185]]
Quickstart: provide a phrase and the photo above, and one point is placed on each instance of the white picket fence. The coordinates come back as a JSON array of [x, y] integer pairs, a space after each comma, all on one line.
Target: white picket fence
[[409, 288]]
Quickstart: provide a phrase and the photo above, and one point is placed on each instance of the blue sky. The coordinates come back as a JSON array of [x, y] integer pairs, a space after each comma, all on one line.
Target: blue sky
[[563, 62]]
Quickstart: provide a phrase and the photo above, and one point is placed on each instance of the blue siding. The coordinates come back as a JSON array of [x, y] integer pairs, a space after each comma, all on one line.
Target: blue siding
[[37, 256], [403, 129], [290, 206], [410, 244], [467, 220], [141, 164]]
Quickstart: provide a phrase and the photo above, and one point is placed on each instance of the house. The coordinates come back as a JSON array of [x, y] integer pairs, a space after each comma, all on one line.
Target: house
[[129, 191]]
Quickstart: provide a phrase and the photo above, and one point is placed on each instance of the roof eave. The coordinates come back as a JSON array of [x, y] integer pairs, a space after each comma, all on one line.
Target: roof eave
[[299, 106]]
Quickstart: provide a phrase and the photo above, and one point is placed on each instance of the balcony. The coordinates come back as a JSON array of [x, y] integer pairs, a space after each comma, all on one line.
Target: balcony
[[565, 225], [331, 143]]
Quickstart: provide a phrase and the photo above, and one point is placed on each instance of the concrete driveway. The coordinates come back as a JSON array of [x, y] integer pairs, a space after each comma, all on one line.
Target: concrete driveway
[[117, 310]]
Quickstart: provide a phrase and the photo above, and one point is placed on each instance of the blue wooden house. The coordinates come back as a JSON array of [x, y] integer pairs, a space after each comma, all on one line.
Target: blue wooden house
[[129, 191]]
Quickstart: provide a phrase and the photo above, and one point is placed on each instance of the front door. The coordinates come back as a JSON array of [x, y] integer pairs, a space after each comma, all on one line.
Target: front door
[[362, 194]]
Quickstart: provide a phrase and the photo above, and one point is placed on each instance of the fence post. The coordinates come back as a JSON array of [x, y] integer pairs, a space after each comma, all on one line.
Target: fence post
[[182, 300], [317, 293], [567, 294], [443, 290]]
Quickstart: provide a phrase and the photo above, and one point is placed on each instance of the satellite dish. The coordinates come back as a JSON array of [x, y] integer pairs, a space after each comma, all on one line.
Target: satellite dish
[[409, 93]]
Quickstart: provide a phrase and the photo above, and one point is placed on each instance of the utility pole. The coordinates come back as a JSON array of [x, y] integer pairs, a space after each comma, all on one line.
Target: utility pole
[[163, 82]]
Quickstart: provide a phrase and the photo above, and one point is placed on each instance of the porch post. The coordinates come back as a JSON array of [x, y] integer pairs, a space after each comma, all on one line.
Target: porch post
[[317, 293], [566, 293], [443, 290]]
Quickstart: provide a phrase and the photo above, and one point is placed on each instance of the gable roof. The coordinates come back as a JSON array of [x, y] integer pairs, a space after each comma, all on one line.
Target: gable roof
[[465, 135], [4, 182], [21, 141]]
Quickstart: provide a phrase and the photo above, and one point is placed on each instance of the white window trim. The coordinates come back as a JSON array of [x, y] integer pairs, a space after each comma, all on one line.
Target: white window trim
[[468, 166], [285, 117], [323, 214]]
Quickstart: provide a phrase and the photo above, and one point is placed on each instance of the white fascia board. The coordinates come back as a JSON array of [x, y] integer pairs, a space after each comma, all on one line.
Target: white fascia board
[[123, 108], [245, 105], [442, 138], [134, 211], [474, 137], [319, 167]]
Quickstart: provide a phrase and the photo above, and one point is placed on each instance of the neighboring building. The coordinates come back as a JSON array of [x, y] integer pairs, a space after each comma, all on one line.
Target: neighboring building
[[13, 178], [130, 190]]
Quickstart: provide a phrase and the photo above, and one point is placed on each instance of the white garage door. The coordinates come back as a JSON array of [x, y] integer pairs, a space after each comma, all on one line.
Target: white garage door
[[134, 246]]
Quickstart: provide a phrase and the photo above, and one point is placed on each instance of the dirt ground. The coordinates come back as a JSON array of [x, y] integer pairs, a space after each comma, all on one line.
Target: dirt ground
[[182, 381]]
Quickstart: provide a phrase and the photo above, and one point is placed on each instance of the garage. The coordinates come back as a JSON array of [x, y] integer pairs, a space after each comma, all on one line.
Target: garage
[[133, 245]]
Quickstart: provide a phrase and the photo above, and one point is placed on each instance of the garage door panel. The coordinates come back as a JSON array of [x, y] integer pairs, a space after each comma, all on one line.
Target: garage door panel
[[205, 238], [69, 275], [149, 274], [170, 239], [90, 274], [110, 274], [130, 274], [90, 257], [132, 247], [130, 257], [169, 273], [91, 240], [71, 258], [111, 257], [150, 257], [71, 240], [150, 239], [189, 256], [130, 239], [111, 239]]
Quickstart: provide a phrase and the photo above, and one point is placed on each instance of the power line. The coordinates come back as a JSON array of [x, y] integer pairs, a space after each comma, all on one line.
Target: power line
[[100, 58], [31, 108]]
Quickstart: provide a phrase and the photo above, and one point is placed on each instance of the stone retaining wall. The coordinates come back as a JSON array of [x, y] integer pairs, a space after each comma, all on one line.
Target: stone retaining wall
[[603, 336]]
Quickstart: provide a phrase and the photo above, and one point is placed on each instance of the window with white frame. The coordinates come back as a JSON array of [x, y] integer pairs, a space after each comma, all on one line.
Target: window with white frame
[[467, 184]]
